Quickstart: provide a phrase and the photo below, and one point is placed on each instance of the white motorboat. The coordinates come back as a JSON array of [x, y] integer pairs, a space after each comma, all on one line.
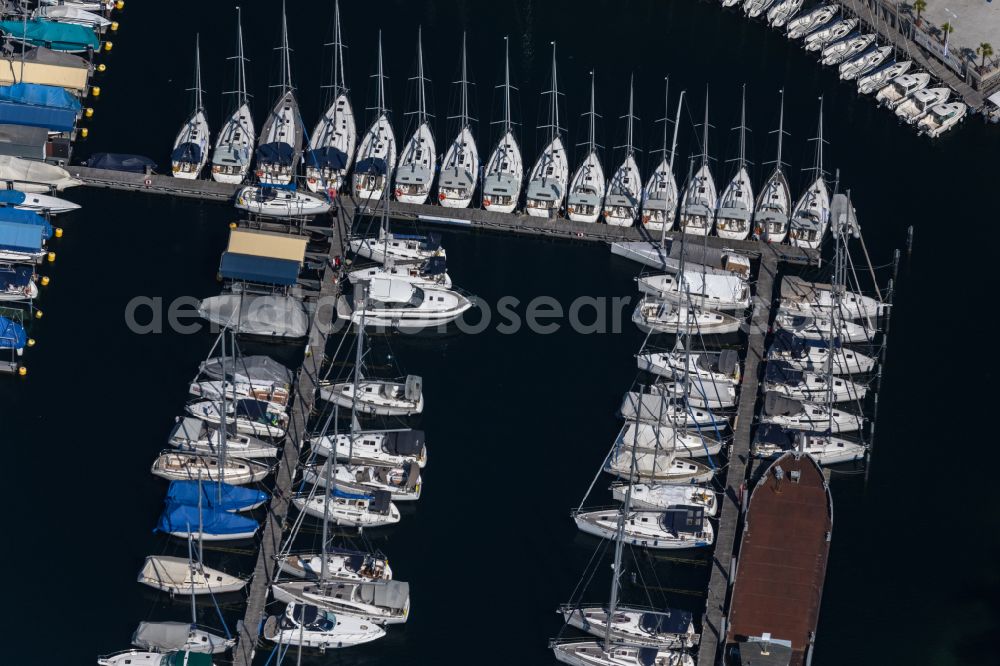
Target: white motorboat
[[382, 602], [432, 272], [816, 41], [17, 283], [459, 175], [505, 168], [33, 176], [280, 201], [376, 397], [809, 327], [852, 69], [900, 88], [73, 15], [656, 316], [919, 104], [755, 8], [667, 254], [398, 246], [736, 205], [703, 367], [813, 355], [780, 12], [592, 653], [214, 389], [234, 145], [774, 203], [676, 439], [659, 496], [549, 176], [838, 52], [190, 151], [258, 315], [399, 447], [334, 139], [145, 658], [402, 482], [818, 298], [309, 626], [656, 466], [670, 529], [700, 197], [660, 196], [941, 118], [179, 576], [771, 441], [801, 26], [811, 215], [403, 305], [279, 146], [36, 203], [418, 157], [586, 189], [350, 508], [175, 466], [340, 564], [800, 415], [192, 435], [700, 290], [622, 200], [871, 82], [810, 386], [250, 416], [635, 626], [169, 636], [376, 158]]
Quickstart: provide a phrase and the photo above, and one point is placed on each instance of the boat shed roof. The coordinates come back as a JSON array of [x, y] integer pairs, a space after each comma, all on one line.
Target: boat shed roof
[[265, 270], [263, 244]]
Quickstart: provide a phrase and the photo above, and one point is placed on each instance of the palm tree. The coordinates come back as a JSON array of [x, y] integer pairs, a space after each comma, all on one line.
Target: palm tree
[[946, 29], [985, 50], [919, 6]]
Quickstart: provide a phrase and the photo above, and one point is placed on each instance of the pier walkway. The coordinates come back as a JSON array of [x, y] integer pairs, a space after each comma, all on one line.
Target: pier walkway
[[713, 633]]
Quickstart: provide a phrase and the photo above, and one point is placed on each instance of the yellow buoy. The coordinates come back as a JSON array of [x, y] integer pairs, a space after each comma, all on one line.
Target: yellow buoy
[[102, 67], [232, 225], [108, 46], [39, 314], [89, 113], [114, 26], [22, 371], [95, 91], [45, 280], [51, 257], [84, 132], [31, 342], [58, 232], [120, 5]]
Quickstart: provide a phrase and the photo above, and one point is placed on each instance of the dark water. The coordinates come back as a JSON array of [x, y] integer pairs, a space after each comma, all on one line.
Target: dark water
[[517, 424]]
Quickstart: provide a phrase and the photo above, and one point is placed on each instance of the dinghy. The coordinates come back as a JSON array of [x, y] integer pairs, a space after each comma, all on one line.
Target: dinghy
[[33, 176], [919, 104], [184, 636], [863, 64], [192, 435], [340, 564], [189, 466], [658, 496], [771, 441], [838, 52], [190, 151], [400, 447], [459, 175], [234, 145], [549, 176], [941, 118], [403, 482], [621, 202], [900, 88], [264, 316], [700, 198], [375, 397], [671, 529], [279, 146], [586, 189], [869, 83], [818, 40], [305, 625], [635, 626], [17, 283], [385, 602], [505, 168], [592, 653], [37, 203], [781, 378], [817, 18], [736, 205], [348, 508], [251, 417], [418, 158], [800, 415], [654, 316], [404, 306], [376, 157], [280, 201], [812, 355], [180, 576]]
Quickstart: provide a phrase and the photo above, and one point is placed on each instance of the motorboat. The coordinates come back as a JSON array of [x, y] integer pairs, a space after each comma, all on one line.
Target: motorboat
[[941, 118], [658, 496], [418, 157], [802, 25], [800, 415], [586, 189], [670, 529], [349, 508], [190, 152], [382, 602], [919, 104], [181, 576], [376, 158], [251, 417], [838, 52], [505, 168], [234, 145], [814, 355], [404, 306], [310, 626], [622, 199], [193, 435], [900, 88], [377, 397], [398, 447], [780, 378], [652, 315], [670, 628], [459, 174], [817, 40], [340, 564], [871, 82], [852, 69], [280, 201], [279, 146], [771, 441], [549, 177], [177, 466]]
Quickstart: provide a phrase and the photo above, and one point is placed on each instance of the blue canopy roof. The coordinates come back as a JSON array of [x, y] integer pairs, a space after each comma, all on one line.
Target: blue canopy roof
[[327, 157], [276, 153], [55, 36], [19, 216], [266, 270], [234, 498], [20, 237], [185, 519], [12, 335], [187, 152], [15, 276], [119, 162], [39, 95]]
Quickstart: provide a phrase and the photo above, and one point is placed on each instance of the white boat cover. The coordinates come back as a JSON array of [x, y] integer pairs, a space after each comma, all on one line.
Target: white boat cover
[[389, 594], [277, 316], [168, 636], [30, 171]]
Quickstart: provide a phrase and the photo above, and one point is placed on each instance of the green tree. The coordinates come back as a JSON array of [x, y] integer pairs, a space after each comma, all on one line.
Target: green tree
[[920, 6], [985, 50], [946, 29]]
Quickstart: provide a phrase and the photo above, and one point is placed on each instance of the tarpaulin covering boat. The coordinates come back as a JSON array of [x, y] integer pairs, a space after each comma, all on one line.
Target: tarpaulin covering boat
[[20, 238], [257, 370], [120, 162], [12, 334], [35, 105], [274, 316], [18, 216], [233, 498], [55, 36], [185, 519]]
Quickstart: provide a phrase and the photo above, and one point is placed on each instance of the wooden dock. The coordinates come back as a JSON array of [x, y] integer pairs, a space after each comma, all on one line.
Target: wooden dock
[[738, 470]]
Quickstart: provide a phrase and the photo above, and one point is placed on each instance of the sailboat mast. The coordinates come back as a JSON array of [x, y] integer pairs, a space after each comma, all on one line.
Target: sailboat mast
[[507, 124], [704, 133], [241, 72], [224, 433], [286, 58], [197, 73], [781, 128], [554, 101], [380, 101], [819, 139], [666, 113], [421, 92], [464, 112], [628, 133], [339, 80], [743, 128], [591, 142], [677, 124], [673, 150]]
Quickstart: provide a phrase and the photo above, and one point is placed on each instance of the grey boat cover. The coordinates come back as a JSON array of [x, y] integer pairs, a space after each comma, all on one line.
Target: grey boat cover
[[546, 189], [776, 404], [188, 430], [46, 56], [167, 636], [404, 443], [276, 316], [584, 198], [503, 184], [249, 369], [733, 213], [414, 175], [796, 289], [390, 594], [381, 499], [455, 177], [724, 362]]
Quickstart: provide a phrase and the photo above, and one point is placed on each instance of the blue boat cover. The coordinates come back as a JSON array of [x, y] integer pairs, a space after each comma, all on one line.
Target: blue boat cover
[[327, 158], [12, 335], [54, 120], [119, 162], [187, 152], [435, 266], [19, 216], [55, 36], [12, 197], [39, 95], [265, 270], [371, 166], [15, 276], [255, 410], [234, 498], [337, 492], [20, 237], [183, 518], [276, 153]]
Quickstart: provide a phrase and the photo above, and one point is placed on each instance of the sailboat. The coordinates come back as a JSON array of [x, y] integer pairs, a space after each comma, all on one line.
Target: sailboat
[[775, 200], [865, 63], [402, 482], [331, 146], [586, 190], [736, 204], [280, 144], [170, 636], [703, 290], [377, 152], [813, 355], [755, 8], [191, 145], [360, 509], [234, 146], [381, 602], [144, 658], [550, 175], [460, 167], [838, 52], [336, 563], [185, 576], [811, 214], [772, 441], [700, 197], [621, 203], [418, 158], [659, 198], [505, 168], [398, 447], [306, 625]]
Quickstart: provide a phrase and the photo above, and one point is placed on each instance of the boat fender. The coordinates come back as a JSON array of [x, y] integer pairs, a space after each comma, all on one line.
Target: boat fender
[[114, 26], [31, 342], [22, 371], [89, 113], [102, 67], [84, 132], [51, 257], [58, 232], [487, 202], [108, 46], [45, 280], [120, 5], [38, 314], [95, 91]]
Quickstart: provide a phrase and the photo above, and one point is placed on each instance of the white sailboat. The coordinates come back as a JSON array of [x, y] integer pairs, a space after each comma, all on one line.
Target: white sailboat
[[817, 40], [310, 626], [657, 496], [336, 564], [871, 82], [811, 215], [279, 146], [702, 290], [418, 158], [919, 104], [377, 152], [802, 25], [402, 482], [654, 315], [711, 367], [803, 296], [900, 88], [621, 203], [774, 203], [813, 327], [333, 141], [755, 8], [771, 441], [810, 386], [814, 355], [175, 466], [349, 508], [800, 415], [639, 436], [184, 576], [280, 202], [586, 189], [659, 198], [190, 151], [942, 118], [732, 221], [657, 466], [505, 168], [400, 447], [550, 176], [700, 197], [592, 653], [673, 529], [383, 602], [403, 305], [431, 272], [459, 175], [234, 145], [192, 435], [375, 397]]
